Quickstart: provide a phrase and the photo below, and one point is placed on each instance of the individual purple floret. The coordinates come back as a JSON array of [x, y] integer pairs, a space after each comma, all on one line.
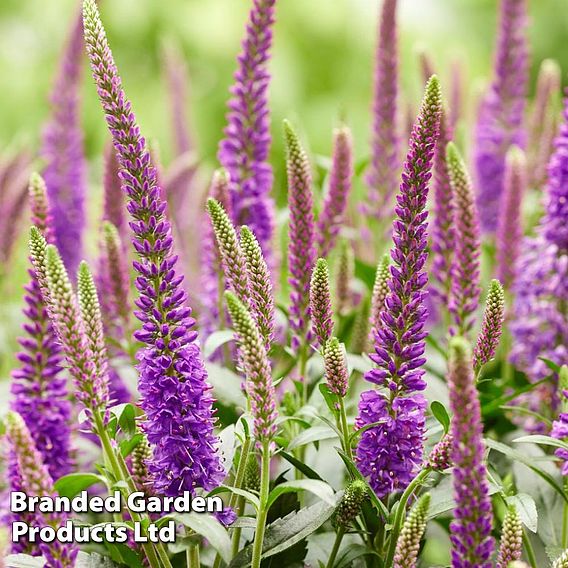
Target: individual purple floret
[[64, 173], [172, 379], [383, 170], [39, 388], [389, 454], [335, 202], [500, 116], [470, 531], [244, 150]]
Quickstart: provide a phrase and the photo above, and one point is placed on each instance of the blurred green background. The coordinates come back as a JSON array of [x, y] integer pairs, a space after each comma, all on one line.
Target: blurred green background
[[322, 71], [322, 63]]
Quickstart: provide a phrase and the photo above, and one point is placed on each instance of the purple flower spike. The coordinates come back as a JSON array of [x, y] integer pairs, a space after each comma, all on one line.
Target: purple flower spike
[[212, 277], [173, 381], [510, 228], [500, 118], [544, 122], [492, 326], [465, 265], [38, 387], [443, 231], [320, 303], [301, 247], [335, 202], [244, 150], [30, 475], [540, 325], [556, 228], [384, 168], [64, 173], [391, 453], [259, 387], [472, 544]]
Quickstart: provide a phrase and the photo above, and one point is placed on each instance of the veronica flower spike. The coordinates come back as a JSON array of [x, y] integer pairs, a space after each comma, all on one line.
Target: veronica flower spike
[[172, 377], [244, 150], [390, 453]]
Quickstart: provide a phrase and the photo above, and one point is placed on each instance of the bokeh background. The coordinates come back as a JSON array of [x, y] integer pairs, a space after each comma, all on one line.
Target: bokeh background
[[322, 73]]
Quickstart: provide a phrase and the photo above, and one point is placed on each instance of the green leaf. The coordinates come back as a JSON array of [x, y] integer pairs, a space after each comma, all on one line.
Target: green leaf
[[441, 415], [215, 340], [250, 497], [226, 384], [526, 508], [72, 484], [542, 440], [331, 399], [126, 416], [126, 446], [351, 553], [528, 462], [286, 532], [554, 367], [319, 488], [314, 434], [210, 528], [24, 561], [300, 465]]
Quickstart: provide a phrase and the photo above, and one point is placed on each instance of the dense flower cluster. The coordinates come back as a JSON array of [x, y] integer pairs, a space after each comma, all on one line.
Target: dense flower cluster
[[390, 454], [244, 150]]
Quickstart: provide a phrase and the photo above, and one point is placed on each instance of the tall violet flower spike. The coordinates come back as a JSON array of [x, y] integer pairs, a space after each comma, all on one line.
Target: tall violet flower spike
[[172, 379], [443, 232], [335, 202], [510, 228], [500, 116], [34, 480], [301, 246], [65, 314], [408, 543], [64, 173], [470, 531], [244, 150], [511, 545], [259, 385], [540, 325], [465, 288], [212, 277], [38, 388], [384, 168], [320, 302], [260, 281], [492, 326], [390, 453]]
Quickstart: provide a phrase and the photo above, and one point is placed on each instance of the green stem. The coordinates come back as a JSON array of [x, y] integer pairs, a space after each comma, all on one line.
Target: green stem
[[192, 556], [263, 509], [110, 457], [565, 520], [401, 508], [236, 502], [335, 549], [344, 428], [529, 550]]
